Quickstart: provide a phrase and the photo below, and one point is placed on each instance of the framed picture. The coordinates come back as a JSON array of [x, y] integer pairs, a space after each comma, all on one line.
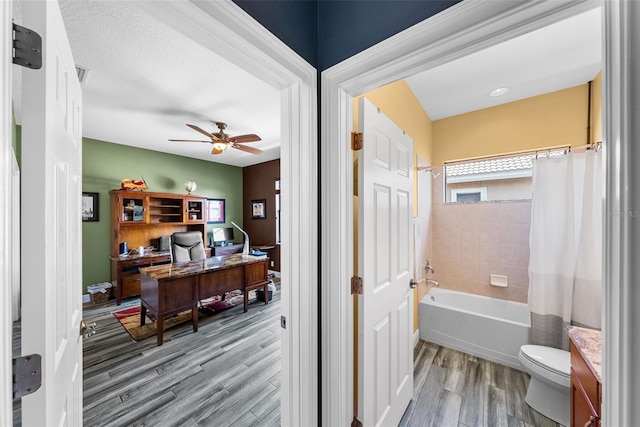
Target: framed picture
[[258, 209], [215, 211], [90, 206]]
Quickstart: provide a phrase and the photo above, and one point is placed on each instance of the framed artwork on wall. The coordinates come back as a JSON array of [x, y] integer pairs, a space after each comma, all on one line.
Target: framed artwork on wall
[[215, 211], [90, 206], [258, 209]]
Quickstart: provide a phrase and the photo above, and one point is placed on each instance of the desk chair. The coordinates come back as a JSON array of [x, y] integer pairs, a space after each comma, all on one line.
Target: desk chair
[[187, 246]]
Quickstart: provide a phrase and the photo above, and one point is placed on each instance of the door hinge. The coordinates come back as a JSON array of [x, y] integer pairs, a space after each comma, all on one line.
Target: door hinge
[[356, 422], [356, 285], [27, 47], [357, 140], [27, 375]]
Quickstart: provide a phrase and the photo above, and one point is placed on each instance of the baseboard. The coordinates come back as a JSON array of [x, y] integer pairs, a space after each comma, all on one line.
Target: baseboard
[[275, 273], [416, 337]]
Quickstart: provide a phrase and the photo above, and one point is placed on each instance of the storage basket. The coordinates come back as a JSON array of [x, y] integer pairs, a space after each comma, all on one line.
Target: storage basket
[[100, 292]]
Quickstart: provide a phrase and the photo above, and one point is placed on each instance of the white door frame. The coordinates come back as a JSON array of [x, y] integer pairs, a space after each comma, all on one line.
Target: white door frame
[[464, 28], [229, 31], [6, 257], [621, 323]]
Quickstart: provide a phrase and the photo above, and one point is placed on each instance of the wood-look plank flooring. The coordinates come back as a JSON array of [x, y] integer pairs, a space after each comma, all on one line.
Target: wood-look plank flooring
[[228, 374], [455, 389]]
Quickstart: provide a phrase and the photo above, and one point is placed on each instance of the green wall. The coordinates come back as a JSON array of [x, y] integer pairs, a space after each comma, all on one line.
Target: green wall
[[105, 164]]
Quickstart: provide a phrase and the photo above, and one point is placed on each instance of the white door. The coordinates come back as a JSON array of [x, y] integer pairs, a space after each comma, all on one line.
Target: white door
[[385, 242], [51, 223]]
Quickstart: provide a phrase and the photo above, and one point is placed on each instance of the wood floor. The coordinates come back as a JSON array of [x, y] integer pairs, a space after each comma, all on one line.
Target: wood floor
[[228, 374], [454, 389]]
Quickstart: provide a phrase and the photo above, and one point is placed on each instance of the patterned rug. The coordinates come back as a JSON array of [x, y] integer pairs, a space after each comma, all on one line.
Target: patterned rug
[[129, 318]]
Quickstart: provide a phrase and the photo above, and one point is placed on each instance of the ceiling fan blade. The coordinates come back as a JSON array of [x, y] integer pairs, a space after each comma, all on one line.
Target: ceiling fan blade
[[189, 140], [247, 149], [251, 137], [198, 129], [217, 151]]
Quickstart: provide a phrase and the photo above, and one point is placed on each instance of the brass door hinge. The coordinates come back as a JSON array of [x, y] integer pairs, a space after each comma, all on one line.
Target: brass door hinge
[[357, 140], [356, 285], [356, 422]]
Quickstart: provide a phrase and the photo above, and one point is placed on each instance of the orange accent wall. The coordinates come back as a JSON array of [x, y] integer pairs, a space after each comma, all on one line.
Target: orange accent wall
[[557, 118]]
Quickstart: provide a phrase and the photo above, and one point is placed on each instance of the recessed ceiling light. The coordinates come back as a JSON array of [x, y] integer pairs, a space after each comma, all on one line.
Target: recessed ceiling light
[[499, 91]]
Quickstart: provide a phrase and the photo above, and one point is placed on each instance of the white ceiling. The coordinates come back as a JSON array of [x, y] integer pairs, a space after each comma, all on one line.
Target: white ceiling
[[555, 57], [147, 80]]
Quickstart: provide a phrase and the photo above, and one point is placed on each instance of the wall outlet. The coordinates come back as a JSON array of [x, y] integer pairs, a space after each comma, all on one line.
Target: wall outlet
[[273, 264]]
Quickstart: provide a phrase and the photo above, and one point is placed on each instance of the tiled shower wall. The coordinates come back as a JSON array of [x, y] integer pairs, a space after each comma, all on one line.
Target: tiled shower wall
[[471, 241]]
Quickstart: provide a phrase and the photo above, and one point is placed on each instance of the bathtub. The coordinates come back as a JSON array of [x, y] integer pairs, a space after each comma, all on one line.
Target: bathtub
[[490, 328]]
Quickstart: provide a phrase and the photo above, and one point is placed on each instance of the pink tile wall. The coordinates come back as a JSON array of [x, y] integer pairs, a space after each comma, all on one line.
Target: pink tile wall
[[471, 241]]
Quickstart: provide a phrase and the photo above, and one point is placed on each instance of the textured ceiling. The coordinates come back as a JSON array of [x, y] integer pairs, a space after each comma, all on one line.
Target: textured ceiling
[[559, 56], [146, 81]]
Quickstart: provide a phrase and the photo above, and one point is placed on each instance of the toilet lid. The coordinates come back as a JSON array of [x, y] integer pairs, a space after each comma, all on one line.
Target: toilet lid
[[553, 359]]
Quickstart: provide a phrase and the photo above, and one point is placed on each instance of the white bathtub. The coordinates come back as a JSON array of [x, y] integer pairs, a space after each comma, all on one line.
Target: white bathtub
[[490, 328]]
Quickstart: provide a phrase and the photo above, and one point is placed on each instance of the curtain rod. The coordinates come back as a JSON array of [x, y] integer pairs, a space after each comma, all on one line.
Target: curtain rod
[[592, 146]]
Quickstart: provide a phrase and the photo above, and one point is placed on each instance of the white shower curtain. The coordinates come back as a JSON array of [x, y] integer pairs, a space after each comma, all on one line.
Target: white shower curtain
[[565, 265]]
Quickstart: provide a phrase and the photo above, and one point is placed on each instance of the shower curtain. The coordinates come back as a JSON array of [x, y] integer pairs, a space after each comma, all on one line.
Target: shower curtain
[[565, 265]]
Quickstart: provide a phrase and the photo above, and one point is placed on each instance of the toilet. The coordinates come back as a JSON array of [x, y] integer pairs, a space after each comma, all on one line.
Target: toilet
[[548, 391]]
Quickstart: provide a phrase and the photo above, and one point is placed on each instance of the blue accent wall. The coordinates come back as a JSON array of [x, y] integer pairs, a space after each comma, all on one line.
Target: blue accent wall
[[294, 22], [326, 32], [349, 27]]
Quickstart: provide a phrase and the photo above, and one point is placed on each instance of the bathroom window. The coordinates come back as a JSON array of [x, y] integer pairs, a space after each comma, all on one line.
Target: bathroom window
[[491, 179], [469, 194]]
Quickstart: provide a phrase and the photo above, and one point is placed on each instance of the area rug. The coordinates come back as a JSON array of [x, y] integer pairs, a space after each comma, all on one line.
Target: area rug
[[129, 318]]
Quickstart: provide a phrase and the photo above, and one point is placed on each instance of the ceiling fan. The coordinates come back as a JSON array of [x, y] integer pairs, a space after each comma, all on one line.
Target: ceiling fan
[[221, 141]]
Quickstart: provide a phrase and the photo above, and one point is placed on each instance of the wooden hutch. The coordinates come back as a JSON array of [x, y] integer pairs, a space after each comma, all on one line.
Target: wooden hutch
[[140, 219]]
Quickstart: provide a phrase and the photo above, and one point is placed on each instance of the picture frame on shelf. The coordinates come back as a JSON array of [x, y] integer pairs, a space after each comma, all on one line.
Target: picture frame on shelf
[[215, 211], [90, 207], [259, 209]]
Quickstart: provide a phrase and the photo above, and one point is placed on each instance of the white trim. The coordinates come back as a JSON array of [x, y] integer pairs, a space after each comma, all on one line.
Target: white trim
[[464, 28], [225, 28], [621, 102], [6, 393], [416, 337], [15, 237]]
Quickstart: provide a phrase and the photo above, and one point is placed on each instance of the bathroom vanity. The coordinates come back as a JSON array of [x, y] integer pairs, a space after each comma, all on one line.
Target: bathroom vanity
[[586, 377]]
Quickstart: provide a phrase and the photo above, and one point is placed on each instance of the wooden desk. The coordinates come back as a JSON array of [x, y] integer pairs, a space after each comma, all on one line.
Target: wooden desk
[[172, 288], [125, 277]]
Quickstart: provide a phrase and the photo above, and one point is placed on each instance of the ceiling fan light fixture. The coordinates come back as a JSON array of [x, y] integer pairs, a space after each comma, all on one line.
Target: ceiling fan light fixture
[[499, 91], [220, 145]]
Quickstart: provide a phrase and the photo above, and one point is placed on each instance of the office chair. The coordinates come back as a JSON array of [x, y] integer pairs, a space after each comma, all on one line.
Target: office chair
[[187, 246]]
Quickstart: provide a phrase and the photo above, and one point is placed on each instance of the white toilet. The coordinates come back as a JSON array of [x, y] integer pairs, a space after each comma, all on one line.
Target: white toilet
[[548, 391]]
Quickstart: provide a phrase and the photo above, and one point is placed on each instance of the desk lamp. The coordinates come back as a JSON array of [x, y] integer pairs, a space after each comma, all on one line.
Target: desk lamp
[[245, 250]]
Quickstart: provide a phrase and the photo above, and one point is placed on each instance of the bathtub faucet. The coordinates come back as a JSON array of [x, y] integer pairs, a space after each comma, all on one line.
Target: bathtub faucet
[[428, 267], [433, 282]]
